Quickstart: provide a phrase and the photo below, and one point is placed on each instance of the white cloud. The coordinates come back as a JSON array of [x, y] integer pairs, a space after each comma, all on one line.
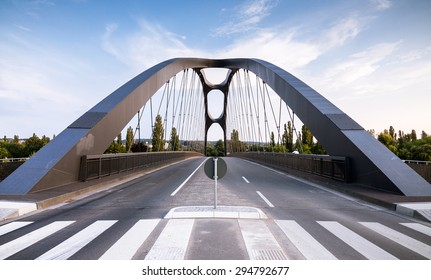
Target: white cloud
[[344, 30], [382, 4], [357, 66], [24, 28], [285, 49], [279, 48], [378, 87], [147, 46], [246, 17]]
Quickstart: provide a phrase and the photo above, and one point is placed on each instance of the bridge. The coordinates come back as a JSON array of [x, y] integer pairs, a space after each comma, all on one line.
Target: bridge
[[267, 208]]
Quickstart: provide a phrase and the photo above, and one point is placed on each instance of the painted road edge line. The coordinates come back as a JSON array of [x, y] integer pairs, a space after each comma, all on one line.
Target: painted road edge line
[[188, 178], [265, 199]]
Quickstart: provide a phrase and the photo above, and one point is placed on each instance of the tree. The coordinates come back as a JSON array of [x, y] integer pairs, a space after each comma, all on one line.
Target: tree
[[34, 144], [287, 138], [272, 143], [4, 153], [234, 138], [174, 143], [306, 140], [386, 139], [116, 146], [158, 141], [414, 136], [129, 139], [392, 132], [307, 136]]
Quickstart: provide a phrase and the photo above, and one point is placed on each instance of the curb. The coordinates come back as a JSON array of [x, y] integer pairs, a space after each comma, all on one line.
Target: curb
[[225, 212]]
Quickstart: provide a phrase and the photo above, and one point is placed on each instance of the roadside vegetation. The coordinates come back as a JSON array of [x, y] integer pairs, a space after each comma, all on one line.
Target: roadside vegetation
[[407, 146]]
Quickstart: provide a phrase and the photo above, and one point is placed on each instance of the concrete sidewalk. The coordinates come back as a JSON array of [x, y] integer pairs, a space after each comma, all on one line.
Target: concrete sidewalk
[[12, 206]]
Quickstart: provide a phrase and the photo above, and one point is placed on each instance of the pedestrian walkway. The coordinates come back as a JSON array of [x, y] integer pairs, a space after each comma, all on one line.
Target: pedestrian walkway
[[187, 238]]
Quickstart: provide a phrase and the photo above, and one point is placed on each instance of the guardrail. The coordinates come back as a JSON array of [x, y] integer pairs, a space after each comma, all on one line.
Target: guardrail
[[423, 168], [9, 165], [334, 167], [98, 166]]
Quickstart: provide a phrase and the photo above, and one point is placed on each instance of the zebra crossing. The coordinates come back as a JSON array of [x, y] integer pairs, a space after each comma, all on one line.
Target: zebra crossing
[[261, 242]]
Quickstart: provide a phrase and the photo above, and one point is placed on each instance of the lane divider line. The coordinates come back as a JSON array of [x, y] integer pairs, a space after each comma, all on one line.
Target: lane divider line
[[245, 179], [188, 178], [265, 199]]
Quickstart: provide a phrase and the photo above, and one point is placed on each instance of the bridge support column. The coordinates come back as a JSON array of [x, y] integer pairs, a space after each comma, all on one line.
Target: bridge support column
[[209, 120]]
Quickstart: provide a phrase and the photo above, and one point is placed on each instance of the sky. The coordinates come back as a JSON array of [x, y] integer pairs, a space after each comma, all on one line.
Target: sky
[[371, 58]]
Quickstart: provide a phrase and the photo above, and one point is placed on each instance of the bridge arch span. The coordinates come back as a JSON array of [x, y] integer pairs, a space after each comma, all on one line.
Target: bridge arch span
[[58, 162]]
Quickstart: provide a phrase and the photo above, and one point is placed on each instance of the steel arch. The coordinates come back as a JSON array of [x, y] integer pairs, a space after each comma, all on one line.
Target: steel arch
[[58, 162]]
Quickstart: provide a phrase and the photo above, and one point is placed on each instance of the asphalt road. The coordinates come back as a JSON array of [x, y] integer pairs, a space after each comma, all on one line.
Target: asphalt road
[[304, 221]]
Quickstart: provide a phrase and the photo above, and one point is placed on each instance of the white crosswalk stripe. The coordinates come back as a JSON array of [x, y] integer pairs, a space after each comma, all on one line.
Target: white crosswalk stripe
[[173, 241], [12, 226], [402, 239], [357, 242], [68, 248], [260, 243], [16, 245], [418, 227], [304, 242], [129, 243], [175, 237]]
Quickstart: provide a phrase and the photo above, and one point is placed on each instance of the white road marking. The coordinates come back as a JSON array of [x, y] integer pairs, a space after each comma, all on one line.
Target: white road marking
[[245, 179], [173, 241], [418, 227], [12, 226], [265, 199], [129, 243], [260, 243], [66, 249], [304, 242], [402, 239], [357, 242], [16, 245], [188, 178]]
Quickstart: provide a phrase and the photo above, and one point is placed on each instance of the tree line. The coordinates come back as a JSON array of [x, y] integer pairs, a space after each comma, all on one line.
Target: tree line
[[407, 146], [304, 142], [158, 142], [16, 148]]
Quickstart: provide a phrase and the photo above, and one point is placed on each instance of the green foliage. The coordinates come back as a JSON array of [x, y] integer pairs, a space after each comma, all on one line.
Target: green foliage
[[17, 149], [217, 150], [407, 146], [174, 143], [34, 144], [139, 148], [4, 153], [307, 137], [129, 139], [158, 140], [287, 138], [388, 139], [116, 146]]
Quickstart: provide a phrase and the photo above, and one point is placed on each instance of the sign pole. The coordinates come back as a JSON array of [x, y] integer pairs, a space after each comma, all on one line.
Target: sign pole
[[215, 182]]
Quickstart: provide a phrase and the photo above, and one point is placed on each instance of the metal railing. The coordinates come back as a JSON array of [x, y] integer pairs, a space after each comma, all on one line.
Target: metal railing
[[423, 168], [98, 166], [334, 167]]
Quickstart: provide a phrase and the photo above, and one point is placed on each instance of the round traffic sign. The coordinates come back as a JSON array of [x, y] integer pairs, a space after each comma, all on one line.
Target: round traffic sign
[[221, 168]]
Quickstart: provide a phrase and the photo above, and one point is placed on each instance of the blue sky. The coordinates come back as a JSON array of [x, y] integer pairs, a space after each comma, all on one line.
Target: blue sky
[[372, 58]]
